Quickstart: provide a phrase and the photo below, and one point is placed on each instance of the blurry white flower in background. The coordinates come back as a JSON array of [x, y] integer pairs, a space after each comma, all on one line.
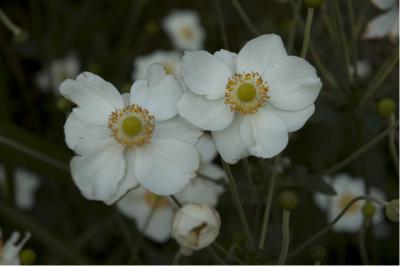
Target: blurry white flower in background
[[119, 147], [56, 72], [251, 100], [363, 69], [185, 30], [26, 184], [10, 249], [348, 188], [170, 60], [386, 23], [195, 227]]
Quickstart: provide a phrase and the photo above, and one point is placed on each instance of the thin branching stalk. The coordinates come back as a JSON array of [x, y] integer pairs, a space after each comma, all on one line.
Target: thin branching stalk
[[9, 24], [245, 18], [219, 260], [392, 144], [176, 201], [285, 237], [361, 241], [221, 24], [268, 204], [247, 170], [361, 150], [307, 32], [334, 221], [296, 17], [238, 206], [177, 257], [226, 253]]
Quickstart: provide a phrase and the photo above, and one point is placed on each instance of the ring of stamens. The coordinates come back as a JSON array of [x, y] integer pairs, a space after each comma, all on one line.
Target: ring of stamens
[[246, 92], [131, 126]]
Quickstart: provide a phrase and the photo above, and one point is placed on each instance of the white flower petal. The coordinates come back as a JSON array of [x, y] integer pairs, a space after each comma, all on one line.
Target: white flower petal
[[260, 53], [228, 58], [203, 113], [264, 134], [200, 191], [381, 25], [205, 74], [384, 4], [160, 95], [165, 166], [177, 128], [229, 144], [293, 84], [211, 170], [95, 97], [98, 174], [206, 148], [83, 137], [293, 120]]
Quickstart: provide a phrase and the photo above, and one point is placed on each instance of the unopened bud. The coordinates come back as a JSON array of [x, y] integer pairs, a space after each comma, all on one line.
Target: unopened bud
[[386, 107], [313, 3], [288, 200], [27, 256], [369, 210], [392, 210]]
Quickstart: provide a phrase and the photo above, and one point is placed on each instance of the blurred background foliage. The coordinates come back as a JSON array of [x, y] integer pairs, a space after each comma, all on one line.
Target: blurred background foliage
[[107, 36]]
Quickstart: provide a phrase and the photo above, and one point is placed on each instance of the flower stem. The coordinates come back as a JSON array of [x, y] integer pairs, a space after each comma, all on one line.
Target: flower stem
[[219, 260], [176, 201], [307, 31], [238, 206], [221, 24], [334, 221], [361, 150], [392, 144], [245, 18], [293, 27], [9, 24], [225, 252], [268, 204], [285, 234], [177, 257], [249, 176], [361, 240]]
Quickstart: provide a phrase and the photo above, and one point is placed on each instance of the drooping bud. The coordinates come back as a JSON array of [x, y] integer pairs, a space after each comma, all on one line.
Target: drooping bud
[[288, 200], [195, 226], [27, 256], [392, 210], [369, 210]]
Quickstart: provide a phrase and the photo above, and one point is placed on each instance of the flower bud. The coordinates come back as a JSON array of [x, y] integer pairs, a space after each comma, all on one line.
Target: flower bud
[[288, 200], [313, 3], [392, 210], [369, 210], [317, 253], [386, 107], [27, 256], [195, 226]]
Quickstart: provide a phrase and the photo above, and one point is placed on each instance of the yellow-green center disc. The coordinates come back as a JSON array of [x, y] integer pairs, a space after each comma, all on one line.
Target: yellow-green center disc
[[246, 92], [132, 125]]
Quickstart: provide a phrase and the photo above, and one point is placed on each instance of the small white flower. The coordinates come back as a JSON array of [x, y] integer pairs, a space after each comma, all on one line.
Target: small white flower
[[251, 100], [195, 227], [348, 188], [9, 252], [26, 184], [170, 60], [184, 29], [363, 69], [386, 23], [58, 70], [121, 142]]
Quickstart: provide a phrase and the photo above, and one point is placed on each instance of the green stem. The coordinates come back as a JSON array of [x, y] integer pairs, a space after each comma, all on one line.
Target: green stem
[[176, 201], [245, 18], [221, 24], [307, 31], [238, 206], [9, 24], [334, 221], [219, 260], [177, 257], [286, 235], [293, 27], [247, 170], [362, 244], [225, 252], [268, 204], [392, 144], [361, 150]]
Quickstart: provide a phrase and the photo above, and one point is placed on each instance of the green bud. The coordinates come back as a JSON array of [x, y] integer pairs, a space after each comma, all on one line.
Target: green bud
[[392, 210], [313, 3], [288, 200], [317, 253], [386, 107], [27, 256], [369, 210], [63, 104]]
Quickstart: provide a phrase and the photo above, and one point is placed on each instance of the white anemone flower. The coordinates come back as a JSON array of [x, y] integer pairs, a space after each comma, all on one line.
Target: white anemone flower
[[386, 23], [185, 30], [363, 69], [9, 251], [348, 188], [58, 70], [251, 100], [195, 226], [26, 185], [121, 142], [171, 62]]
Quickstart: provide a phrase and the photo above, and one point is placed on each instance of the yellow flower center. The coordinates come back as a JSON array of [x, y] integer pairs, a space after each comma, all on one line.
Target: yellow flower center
[[131, 126], [246, 92], [345, 199], [187, 33], [155, 201], [168, 68]]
